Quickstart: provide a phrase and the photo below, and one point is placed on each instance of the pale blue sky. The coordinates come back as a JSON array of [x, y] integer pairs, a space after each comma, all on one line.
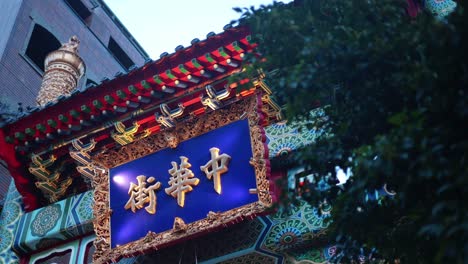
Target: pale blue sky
[[160, 26]]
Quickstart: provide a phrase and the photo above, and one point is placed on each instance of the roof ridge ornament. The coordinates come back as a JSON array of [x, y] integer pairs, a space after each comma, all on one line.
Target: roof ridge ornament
[[71, 45]]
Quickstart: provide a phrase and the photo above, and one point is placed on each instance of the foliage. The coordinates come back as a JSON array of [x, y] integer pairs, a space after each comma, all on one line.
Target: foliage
[[395, 91]]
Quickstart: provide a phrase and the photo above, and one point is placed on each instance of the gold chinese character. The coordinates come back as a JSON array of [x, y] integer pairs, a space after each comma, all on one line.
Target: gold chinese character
[[181, 180], [140, 195], [213, 169]]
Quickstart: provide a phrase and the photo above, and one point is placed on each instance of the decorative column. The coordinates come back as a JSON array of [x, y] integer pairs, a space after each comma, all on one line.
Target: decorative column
[[63, 69]]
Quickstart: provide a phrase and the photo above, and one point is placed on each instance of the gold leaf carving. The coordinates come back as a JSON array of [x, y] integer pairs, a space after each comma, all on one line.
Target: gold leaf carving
[[153, 143]]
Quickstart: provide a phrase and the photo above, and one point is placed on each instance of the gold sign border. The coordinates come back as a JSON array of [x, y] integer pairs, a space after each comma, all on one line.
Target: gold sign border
[[248, 108]]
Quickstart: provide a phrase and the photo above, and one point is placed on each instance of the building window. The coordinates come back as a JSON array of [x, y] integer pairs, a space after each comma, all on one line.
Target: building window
[[80, 9], [119, 54], [41, 43]]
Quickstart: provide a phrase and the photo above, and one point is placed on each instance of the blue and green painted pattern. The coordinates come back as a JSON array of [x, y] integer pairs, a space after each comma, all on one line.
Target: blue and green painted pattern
[[283, 138], [55, 223], [78, 251], [9, 219], [292, 227], [60, 224], [440, 8], [282, 238]]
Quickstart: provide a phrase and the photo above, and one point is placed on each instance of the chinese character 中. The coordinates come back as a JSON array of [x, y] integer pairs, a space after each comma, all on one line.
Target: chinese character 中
[[181, 180], [215, 167], [141, 195]]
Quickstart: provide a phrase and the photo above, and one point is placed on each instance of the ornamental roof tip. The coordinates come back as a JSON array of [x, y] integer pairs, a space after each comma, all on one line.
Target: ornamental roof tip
[[210, 34], [49, 104], [148, 61], [11, 119], [133, 67], [62, 97], [29, 110], [118, 74], [7, 121], [194, 42], [33, 109], [104, 80], [88, 86]]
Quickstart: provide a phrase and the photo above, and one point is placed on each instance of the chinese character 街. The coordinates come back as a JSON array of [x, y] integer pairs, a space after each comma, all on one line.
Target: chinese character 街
[[141, 195]]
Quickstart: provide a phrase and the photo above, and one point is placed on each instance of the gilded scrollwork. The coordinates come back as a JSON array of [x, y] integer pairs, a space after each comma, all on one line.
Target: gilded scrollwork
[[124, 135], [191, 128], [102, 214], [80, 153], [249, 108], [172, 139], [212, 216], [179, 225]]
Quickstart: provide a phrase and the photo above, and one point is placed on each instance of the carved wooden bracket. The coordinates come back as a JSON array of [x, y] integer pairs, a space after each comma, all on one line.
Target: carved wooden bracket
[[168, 116], [214, 98], [80, 153], [47, 181]]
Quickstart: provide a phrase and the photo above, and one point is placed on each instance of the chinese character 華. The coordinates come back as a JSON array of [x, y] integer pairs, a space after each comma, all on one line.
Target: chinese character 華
[[181, 180]]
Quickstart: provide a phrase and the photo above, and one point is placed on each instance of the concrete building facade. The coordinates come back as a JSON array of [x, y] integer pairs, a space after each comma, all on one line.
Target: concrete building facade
[[31, 29]]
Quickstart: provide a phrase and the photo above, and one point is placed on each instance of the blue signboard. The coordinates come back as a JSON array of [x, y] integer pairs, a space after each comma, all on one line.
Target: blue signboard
[[212, 172]]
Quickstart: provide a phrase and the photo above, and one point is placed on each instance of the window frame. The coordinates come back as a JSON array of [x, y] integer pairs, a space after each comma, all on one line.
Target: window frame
[[116, 57], [26, 43], [86, 20]]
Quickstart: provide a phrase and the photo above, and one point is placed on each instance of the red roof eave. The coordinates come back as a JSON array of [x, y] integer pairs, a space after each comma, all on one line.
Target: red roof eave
[[215, 47]]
